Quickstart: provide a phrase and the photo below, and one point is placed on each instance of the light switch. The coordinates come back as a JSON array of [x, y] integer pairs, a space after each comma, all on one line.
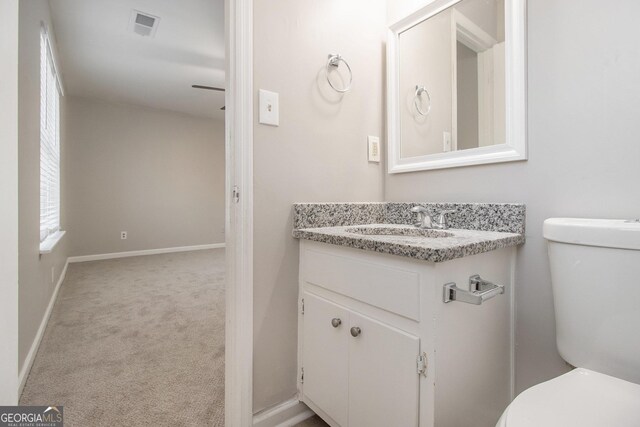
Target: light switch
[[269, 111], [446, 141], [374, 148]]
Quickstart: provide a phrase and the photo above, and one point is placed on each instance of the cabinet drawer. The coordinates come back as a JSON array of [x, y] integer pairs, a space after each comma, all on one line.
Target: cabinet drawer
[[389, 288]]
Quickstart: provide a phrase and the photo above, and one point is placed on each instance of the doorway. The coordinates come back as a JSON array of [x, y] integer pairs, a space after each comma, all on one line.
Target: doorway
[[139, 88]]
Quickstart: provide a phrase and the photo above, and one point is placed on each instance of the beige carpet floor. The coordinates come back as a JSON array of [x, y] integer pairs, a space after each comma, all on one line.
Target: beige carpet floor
[[136, 342]]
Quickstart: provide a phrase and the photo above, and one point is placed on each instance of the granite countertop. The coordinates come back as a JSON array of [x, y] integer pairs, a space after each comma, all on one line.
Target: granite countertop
[[375, 227]]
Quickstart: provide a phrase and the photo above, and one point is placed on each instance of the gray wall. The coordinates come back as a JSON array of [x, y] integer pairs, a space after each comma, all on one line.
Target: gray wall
[[157, 175], [318, 153], [9, 19], [584, 155], [36, 284]]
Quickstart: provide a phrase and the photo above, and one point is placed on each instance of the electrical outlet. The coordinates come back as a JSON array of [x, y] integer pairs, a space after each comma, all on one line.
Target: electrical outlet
[[123, 235]]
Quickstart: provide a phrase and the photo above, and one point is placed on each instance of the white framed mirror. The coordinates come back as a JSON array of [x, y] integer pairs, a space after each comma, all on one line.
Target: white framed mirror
[[456, 85]]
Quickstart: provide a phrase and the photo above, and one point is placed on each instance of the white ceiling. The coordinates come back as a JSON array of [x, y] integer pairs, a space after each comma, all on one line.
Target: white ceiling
[[101, 57]]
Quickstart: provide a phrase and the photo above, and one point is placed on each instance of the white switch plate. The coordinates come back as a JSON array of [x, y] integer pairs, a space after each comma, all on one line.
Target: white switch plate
[[374, 148], [269, 108], [446, 141]]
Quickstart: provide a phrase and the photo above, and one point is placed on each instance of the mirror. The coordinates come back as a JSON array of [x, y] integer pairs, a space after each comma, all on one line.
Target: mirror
[[456, 85]]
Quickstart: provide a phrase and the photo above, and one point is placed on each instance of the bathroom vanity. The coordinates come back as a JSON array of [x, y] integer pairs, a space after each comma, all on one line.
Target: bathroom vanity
[[404, 326]]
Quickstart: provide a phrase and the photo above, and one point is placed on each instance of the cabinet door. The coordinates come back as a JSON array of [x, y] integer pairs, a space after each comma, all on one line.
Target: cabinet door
[[325, 357], [383, 378]]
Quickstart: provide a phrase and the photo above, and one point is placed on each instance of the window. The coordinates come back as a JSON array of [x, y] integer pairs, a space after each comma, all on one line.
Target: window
[[49, 146]]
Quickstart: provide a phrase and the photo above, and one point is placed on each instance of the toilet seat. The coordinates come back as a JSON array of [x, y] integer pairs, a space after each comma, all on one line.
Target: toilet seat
[[580, 398]]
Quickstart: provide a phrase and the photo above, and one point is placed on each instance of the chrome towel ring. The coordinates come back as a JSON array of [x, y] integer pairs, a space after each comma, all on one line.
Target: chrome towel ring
[[417, 100], [332, 63]]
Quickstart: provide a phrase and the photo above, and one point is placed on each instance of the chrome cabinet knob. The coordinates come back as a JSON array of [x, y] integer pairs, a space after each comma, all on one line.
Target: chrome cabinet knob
[[335, 322], [355, 331]]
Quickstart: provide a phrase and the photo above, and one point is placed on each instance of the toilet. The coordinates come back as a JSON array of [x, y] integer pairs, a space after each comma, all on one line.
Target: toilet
[[595, 277]]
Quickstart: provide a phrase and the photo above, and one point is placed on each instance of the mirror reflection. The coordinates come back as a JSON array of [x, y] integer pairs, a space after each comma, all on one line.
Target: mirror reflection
[[452, 80]]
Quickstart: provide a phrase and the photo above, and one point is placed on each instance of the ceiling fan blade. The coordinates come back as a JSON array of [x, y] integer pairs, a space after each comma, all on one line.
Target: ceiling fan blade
[[208, 87]]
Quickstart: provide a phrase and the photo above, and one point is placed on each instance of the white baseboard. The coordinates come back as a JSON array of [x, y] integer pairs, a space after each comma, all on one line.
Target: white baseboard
[[286, 414], [97, 257], [28, 362]]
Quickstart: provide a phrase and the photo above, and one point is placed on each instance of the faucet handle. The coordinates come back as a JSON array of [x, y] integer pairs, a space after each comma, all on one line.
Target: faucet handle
[[442, 220]]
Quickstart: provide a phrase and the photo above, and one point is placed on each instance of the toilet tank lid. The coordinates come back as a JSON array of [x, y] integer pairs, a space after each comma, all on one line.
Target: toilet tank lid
[[609, 233]]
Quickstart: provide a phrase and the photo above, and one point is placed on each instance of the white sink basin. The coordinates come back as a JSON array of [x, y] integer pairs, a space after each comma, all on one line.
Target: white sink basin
[[398, 231]]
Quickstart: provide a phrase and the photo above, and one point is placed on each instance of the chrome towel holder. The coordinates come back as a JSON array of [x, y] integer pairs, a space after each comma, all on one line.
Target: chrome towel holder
[[417, 98], [333, 62], [479, 291]]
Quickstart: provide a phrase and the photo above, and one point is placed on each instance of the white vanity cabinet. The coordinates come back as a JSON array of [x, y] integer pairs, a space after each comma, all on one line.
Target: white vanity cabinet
[[379, 347]]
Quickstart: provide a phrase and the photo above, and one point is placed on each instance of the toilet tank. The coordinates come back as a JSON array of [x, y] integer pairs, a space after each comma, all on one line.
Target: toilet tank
[[595, 277]]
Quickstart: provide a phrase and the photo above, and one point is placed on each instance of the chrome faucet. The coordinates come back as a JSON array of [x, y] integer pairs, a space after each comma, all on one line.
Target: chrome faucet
[[426, 220]]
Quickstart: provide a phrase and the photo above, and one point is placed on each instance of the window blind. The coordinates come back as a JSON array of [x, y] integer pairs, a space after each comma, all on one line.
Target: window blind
[[49, 142]]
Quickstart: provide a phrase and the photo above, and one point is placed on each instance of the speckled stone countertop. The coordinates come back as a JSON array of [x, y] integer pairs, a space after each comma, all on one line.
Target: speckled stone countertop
[[475, 228]]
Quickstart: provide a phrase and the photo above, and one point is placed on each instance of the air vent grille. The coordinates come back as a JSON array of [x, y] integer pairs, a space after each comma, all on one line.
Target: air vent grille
[[144, 20], [144, 24]]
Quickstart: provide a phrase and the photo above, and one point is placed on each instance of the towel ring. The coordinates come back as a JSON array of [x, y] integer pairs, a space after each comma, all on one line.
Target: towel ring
[[334, 61], [416, 100]]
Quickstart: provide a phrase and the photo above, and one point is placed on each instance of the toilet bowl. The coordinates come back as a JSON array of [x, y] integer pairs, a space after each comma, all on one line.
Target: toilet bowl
[[595, 266]]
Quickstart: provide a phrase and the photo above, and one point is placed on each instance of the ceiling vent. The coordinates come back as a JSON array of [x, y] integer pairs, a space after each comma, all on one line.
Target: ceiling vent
[[143, 23]]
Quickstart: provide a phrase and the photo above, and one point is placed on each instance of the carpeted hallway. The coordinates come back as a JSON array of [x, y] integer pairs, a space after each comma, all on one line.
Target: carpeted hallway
[[136, 341]]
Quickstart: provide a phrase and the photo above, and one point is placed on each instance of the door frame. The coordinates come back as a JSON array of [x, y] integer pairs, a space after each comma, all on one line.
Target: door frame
[[239, 213], [9, 19]]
